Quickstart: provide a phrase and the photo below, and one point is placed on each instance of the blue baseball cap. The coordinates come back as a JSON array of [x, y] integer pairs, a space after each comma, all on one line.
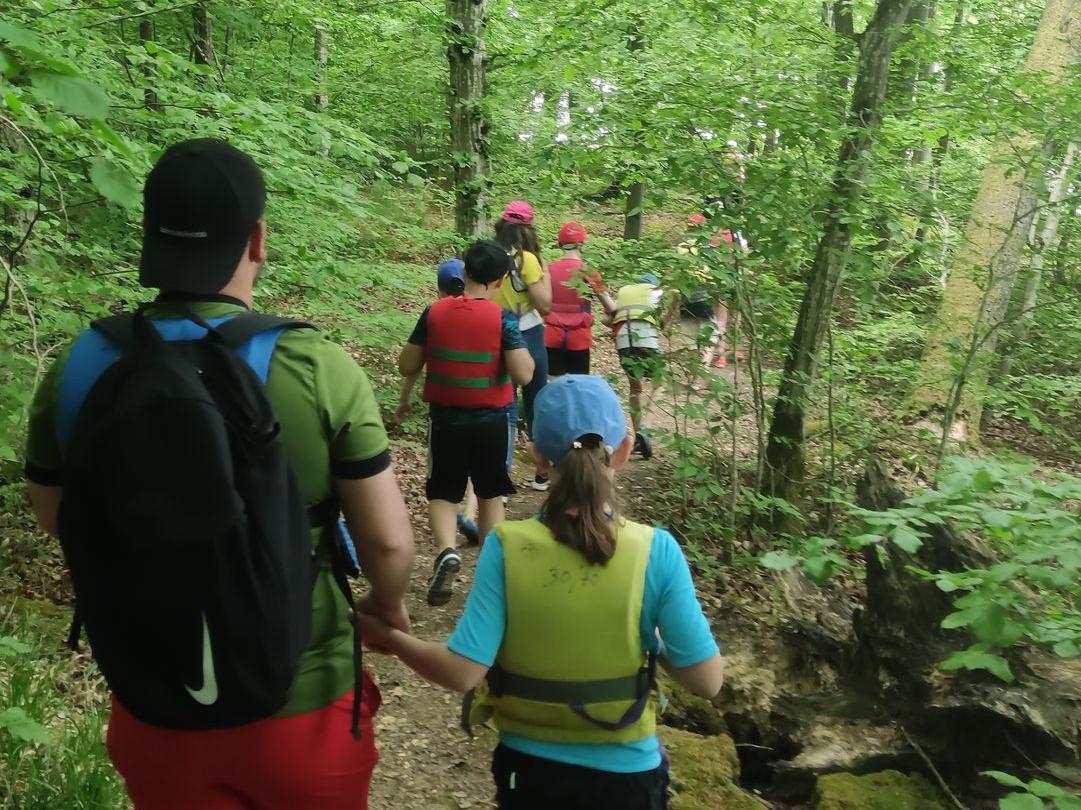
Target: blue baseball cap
[[649, 278], [451, 276], [573, 406]]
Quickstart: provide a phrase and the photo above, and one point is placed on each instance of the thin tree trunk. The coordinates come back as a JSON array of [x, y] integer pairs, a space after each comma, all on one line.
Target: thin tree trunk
[[784, 450], [146, 34], [1044, 243], [632, 212], [632, 216], [321, 100], [468, 124], [843, 24], [972, 307], [202, 42]]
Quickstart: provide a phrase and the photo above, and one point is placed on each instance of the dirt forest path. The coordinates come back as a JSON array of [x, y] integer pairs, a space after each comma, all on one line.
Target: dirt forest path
[[427, 762]]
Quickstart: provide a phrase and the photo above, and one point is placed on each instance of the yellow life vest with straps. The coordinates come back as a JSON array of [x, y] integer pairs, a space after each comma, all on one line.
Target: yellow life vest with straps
[[634, 302], [571, 668]]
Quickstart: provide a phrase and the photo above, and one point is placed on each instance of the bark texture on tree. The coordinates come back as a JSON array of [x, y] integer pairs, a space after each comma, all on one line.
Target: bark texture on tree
[[784, 451], [972, 302], [1045, 242], [202, 41], [146, 34], [469, 129]]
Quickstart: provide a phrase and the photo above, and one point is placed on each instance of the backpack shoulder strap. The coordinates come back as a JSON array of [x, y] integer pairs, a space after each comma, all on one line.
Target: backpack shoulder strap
[[254, 336], [93, 352]]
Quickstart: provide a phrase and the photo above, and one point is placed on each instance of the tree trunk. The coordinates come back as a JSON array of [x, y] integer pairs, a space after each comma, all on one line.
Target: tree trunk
[[468, 124], [146, 34], [202, 41], [1044, 244], [844, 25], [632, 217], [972, 304], [321, 100], [632, 212], [784, 451]]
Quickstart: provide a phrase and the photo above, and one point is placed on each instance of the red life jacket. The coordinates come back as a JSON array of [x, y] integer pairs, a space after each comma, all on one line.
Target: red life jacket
[[569, 323], [464, 353]]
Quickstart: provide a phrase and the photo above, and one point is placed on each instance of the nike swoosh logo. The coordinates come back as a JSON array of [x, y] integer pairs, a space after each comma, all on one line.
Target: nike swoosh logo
[[207, 695]]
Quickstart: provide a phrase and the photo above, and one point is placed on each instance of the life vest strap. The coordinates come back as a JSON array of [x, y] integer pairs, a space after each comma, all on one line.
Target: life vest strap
[[571, 693], [469, 382], [459, 356]]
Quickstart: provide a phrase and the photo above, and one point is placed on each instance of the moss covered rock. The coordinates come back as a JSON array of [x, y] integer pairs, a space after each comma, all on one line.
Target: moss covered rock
[[688, 711], [888, 790], [705, 772]]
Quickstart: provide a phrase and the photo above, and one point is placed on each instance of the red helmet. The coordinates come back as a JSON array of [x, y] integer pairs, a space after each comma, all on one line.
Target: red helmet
[[696, 219], [572, 233]]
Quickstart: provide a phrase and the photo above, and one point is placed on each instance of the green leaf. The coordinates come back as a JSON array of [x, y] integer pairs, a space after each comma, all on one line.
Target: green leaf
[[1004, 779], [982, 481], [777, 561], [1066, 802], [71, 94], [19, 37], [1045, 790], [115, 183], [906, 539], [9, 646], [820, 569], [400, 166], [866, 540], [414, 179], [20, 726], [1020, 801], [1067, 649]]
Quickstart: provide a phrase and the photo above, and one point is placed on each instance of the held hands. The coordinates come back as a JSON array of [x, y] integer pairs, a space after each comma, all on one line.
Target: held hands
[[377, 622]]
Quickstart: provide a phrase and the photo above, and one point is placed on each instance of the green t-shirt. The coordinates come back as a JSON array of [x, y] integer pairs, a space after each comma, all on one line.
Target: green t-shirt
[[331, 428]]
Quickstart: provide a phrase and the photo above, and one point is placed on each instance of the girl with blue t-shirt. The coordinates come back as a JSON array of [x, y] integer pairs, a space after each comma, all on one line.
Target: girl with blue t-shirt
[[569, 616]]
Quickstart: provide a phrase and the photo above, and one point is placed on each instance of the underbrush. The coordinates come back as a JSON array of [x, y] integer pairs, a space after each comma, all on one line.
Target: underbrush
[[53, 710]]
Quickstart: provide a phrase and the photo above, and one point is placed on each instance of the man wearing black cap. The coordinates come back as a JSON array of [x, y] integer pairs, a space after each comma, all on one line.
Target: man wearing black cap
[[204, 243]]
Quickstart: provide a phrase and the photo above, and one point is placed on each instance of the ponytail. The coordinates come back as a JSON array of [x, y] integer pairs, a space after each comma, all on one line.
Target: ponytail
[[580, 509]]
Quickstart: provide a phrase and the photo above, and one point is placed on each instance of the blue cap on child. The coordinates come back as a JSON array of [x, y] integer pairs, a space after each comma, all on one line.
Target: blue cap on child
[[573, 406], [649, 278], [451, 276]]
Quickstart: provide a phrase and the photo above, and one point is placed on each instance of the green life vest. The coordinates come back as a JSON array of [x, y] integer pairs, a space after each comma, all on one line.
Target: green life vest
[[634, 302], [571, 668]]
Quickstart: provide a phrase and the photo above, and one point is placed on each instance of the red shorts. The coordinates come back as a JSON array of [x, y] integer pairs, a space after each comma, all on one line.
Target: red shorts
[[307, 761]]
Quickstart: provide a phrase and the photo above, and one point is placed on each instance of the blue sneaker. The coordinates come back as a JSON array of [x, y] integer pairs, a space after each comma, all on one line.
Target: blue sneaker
[[469, 531]]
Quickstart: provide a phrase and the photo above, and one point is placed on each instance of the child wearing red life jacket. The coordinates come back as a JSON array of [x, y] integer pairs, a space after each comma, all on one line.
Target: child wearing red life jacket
[[570, 614], [569, 323], [450, 281], [474, 353]]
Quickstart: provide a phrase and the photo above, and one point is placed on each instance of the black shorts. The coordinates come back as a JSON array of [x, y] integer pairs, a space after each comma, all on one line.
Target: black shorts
[[524, 782], [639, 362], [462, 450], [567, 361]]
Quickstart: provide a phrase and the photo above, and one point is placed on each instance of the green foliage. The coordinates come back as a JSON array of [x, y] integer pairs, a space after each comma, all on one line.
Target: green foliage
[[1031, 593], [1034, 794], [52, 716]]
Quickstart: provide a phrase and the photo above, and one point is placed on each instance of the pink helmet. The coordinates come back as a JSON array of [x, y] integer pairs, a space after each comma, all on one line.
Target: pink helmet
[[696, 219], [518, 211]]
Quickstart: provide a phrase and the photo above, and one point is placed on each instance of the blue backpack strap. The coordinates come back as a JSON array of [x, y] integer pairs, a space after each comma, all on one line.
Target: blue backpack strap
[[253, 337]]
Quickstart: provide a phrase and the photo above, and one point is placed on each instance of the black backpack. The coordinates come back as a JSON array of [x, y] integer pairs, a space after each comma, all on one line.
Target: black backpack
[[187, 538]]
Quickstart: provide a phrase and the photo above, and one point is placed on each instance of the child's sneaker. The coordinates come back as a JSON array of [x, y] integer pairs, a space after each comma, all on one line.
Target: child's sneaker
[[446, 568], [469, 530], [540, 482]]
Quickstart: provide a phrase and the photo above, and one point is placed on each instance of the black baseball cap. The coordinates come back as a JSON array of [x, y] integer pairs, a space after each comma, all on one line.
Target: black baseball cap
[[200, 203]]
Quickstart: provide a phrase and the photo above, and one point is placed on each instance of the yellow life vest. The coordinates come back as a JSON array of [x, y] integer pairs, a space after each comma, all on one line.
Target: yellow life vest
[[634, 302], [571, 668]]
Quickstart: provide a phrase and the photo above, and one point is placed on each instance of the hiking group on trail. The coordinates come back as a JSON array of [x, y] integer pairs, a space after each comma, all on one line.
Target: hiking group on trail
[[196, 461]]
